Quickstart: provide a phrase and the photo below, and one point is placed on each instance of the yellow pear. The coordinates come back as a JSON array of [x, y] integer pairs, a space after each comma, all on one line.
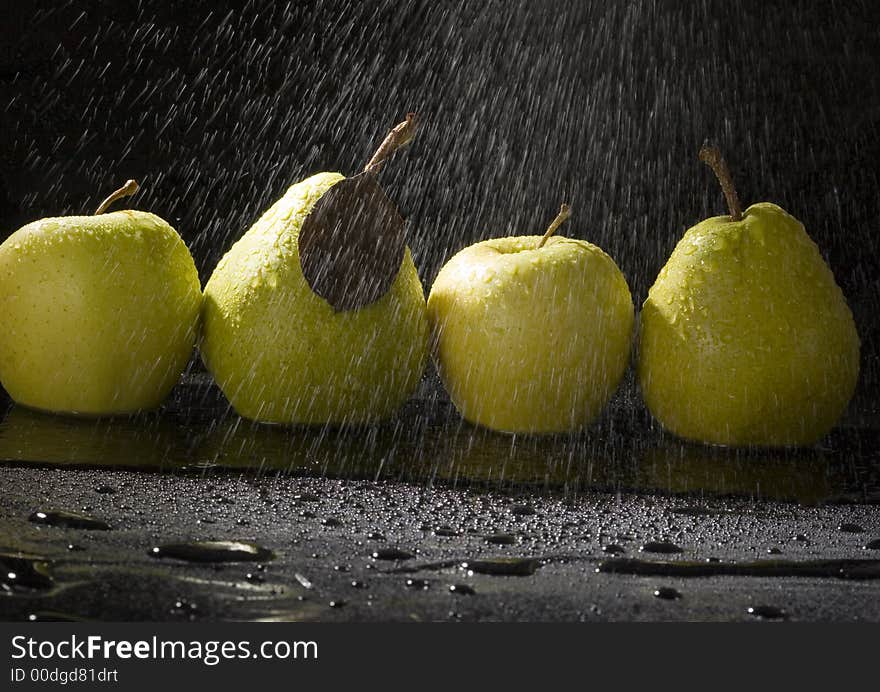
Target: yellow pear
[[746, 338], [308, 342]]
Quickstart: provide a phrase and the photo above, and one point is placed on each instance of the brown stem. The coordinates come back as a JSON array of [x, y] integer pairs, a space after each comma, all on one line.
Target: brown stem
[[129, 188], [561, 218], [399, 137], [712, 157]]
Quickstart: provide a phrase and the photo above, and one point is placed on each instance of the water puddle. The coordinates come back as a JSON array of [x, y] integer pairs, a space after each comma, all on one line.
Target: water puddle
[[68, 520], [841, 569], [213, 551]]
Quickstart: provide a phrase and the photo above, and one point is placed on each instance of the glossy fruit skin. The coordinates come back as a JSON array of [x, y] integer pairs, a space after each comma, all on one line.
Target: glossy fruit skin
[[529, 339], [100, 313], [281, 354], [746, 338]]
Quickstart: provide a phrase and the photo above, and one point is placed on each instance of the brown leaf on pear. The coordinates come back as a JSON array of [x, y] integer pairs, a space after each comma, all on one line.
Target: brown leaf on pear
[[352, 244]]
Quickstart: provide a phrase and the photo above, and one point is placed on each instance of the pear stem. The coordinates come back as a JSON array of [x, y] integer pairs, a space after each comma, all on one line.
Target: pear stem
[[712, 157], [399, 137], [561, 218], [126, 190]]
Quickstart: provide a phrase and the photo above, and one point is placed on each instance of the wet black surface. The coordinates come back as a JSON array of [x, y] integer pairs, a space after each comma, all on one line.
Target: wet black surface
[[426, 518], [602, 104]]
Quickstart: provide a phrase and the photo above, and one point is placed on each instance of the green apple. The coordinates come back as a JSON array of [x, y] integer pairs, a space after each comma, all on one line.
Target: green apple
[[531, 334], [282, 353], [746, 338], [100, 313]]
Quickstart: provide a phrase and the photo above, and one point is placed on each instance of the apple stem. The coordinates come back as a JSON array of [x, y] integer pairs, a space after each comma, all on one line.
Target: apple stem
[[712, 157], [129, 188], [561, 218], [400, 136]]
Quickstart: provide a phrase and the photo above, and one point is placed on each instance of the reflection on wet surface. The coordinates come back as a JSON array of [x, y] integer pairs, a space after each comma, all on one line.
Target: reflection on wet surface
[[428, 442]]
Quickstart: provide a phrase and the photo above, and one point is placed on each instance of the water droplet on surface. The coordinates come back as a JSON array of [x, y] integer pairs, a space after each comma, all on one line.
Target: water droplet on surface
[[445, 531], [462, 589], [766, 612], [303, 580], [839, 569], [851, 528], [418, 584], [24, 572], [667, 593], [184, 607], [695, 511], [53, 616], [213, 551], [873, 545], [613, 549], [68, 520], [504, 566], [392, 554], [105, 489], [664, 547], [501, 539]]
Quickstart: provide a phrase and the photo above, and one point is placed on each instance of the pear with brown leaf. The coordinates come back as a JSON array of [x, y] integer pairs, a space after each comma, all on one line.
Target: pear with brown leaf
[[317, 314]]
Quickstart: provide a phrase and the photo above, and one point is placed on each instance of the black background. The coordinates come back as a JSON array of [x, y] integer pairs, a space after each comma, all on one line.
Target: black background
[[217, 107]]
